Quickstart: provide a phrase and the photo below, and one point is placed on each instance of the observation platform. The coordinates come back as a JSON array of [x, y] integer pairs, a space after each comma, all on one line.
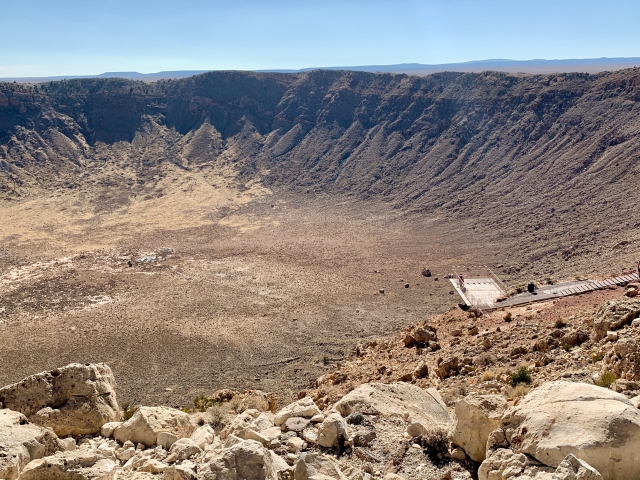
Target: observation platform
[[485, 291]]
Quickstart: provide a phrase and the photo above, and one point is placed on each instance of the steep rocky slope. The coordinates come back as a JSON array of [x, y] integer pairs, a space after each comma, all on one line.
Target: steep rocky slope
[[537, 154], [460, 141]]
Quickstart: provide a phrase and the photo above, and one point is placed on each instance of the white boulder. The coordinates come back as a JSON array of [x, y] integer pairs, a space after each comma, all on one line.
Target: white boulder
[[203, 436], [185, 448], [21, 442], [73, 400], [313, 466], [107, 429], [572, 468], [396, 399], [332, 432], [595, 424], [184, 471], [247, 459], [305, 407], [503, 464], [77, 465], [148, 422], [475, 417], [250, 420]]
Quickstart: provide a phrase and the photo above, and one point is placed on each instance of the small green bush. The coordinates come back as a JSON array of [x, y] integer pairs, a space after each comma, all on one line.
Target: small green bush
[[201, 403], [596, 357], [521, 376], [127, 411], [508, 317], [606, 379]]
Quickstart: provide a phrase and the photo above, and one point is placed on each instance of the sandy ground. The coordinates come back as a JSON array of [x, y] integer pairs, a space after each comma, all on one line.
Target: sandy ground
[[241, 288], [267, 296]]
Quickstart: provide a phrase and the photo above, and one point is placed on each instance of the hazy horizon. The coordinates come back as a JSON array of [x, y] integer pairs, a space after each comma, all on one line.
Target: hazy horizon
[[73, 38]]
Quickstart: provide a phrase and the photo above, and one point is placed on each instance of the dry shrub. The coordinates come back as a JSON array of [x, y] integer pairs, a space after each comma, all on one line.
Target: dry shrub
[[436, 444], [488, 375], [216, 418], [560, 323], [483, 360], [519, 390]]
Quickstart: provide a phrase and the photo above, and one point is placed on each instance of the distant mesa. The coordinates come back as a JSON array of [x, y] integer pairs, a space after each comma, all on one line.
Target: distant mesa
[[536, 66]]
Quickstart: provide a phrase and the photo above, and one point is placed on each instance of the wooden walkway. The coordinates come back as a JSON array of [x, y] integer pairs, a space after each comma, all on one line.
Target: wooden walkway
[[548, 292]]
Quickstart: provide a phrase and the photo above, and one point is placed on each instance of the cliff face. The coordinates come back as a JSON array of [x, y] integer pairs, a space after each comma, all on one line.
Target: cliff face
[[480, 143]]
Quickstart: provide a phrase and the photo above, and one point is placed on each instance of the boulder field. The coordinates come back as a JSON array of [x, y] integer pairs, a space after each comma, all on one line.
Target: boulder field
[[65, 425]]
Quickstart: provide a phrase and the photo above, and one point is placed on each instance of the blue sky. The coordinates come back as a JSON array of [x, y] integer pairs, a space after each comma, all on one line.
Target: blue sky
[[72, 37]]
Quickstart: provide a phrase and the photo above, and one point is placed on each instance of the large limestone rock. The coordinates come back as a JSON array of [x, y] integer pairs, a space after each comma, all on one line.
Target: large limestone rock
[[247, 460], [78, 465], [21, 442], [184, 448], [614, 314], [183, 471], [399, 399], [305, 407], [596, 425], [148, 422], [72, 400], [476, 416]]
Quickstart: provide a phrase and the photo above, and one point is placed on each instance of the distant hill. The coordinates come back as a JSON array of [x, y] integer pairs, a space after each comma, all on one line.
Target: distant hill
[[587, 65], [147, 77], [539, 66]]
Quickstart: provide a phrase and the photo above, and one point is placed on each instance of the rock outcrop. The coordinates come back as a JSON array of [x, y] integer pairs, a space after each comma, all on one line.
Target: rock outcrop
[[614, 314], [504, 464], [572, 468], [559, 430], [624, 359], [332, 432], [72, 400], [311, 466]]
